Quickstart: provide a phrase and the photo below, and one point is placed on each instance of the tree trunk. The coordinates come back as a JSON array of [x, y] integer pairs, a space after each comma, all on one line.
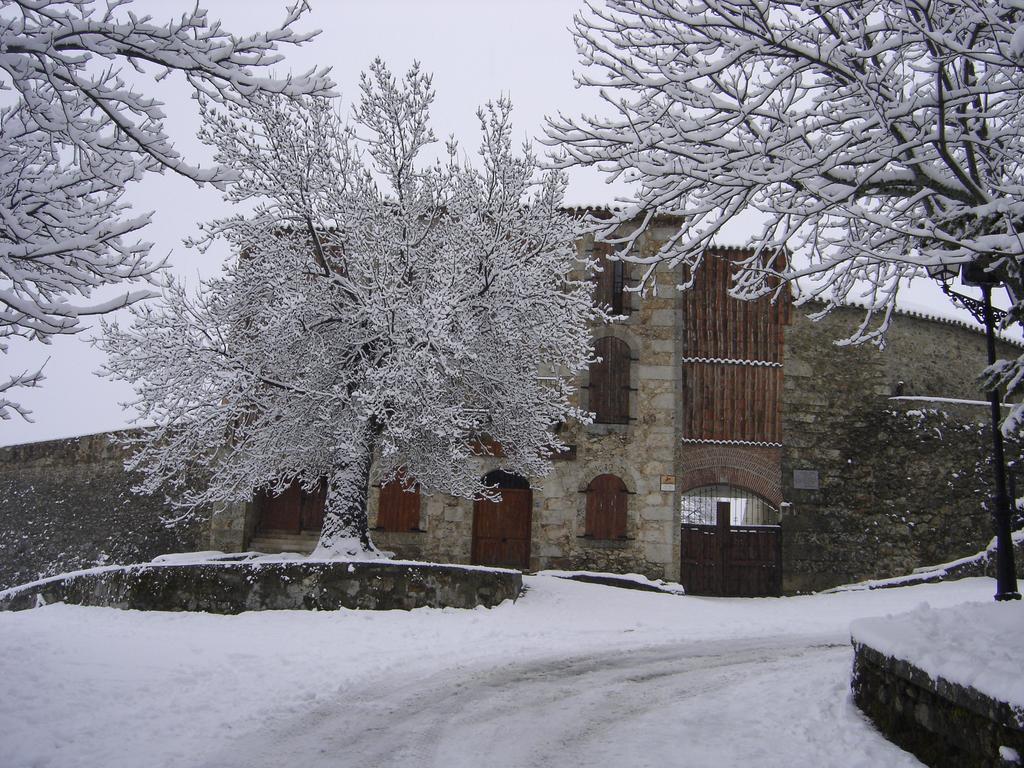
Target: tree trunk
[[345, 532]]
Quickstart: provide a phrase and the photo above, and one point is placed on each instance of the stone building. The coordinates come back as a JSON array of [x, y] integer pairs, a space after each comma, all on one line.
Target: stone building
[[702, 401], [735, 447]]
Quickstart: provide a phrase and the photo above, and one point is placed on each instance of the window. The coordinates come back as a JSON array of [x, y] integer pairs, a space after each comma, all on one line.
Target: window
[[609, 382], [294, 509], [398, 508], [610, 281], [606, 508], [700, 505]]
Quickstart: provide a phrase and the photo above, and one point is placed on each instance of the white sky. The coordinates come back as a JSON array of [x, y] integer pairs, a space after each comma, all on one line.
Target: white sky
[[476, 50]]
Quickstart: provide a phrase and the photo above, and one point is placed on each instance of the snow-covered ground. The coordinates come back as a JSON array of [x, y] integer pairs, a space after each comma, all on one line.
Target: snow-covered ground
[[572, 674]]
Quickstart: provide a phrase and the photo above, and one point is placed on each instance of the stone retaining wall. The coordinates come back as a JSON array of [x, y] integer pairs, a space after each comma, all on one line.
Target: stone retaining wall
[[942, 723], [233, 587]]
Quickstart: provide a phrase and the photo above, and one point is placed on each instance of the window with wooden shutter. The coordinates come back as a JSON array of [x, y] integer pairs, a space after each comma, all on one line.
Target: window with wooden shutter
[[609, 382], [606, 508], [399, 506], [294, 509], [610, 281]]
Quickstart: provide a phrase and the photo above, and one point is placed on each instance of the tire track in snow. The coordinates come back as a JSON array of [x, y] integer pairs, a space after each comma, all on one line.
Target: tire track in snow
[[766, 702]]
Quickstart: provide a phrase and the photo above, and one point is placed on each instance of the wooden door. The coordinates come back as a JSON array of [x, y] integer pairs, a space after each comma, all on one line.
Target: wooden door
[[731, 561], [754, 561], [313, 508], [501, 529]]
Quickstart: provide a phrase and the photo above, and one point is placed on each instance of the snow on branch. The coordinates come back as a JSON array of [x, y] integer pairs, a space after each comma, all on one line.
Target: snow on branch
[[877, 139], [76, 133]]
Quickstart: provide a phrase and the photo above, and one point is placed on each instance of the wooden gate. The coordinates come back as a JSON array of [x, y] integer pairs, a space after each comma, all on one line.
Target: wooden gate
[[501, 530], [731, 560]]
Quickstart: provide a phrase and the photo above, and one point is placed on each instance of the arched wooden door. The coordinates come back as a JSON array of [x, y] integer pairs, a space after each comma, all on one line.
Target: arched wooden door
[[501, 529]]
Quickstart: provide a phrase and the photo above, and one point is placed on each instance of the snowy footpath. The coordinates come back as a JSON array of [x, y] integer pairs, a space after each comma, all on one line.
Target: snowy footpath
[[572, 675]]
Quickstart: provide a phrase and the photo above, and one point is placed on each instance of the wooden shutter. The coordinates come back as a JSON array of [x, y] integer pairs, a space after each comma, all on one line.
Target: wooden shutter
[[609, 283], [399, 509], [313, 503], [609, 382], [606, 508]]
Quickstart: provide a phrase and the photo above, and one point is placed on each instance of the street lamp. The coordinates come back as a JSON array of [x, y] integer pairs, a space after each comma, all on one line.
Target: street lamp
[[974, 274]]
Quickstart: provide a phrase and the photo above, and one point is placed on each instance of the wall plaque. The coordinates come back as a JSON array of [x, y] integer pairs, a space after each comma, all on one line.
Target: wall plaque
[[806, 479], [668, 483]]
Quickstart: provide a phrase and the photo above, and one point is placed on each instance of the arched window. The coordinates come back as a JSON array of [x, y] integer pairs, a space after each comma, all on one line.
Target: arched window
[[609, 381], [700, 506], [606, 508], [399, 506], [499, 478]]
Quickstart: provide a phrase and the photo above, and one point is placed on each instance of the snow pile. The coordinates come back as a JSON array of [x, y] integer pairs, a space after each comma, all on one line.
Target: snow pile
[[977, 645], [627, 580]]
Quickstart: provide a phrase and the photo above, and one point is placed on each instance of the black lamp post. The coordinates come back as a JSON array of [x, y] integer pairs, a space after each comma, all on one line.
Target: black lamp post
[[975, 274]]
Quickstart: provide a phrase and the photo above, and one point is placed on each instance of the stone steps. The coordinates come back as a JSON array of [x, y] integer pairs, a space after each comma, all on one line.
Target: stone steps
[[273, 543]]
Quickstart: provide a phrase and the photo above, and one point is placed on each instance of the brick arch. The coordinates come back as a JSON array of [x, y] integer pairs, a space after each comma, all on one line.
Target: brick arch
[[752, 468]]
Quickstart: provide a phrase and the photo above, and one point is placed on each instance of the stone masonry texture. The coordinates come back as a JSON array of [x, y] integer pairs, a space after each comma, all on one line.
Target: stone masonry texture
[[68, 504], [944, 724], [902, 483], [233, 587]]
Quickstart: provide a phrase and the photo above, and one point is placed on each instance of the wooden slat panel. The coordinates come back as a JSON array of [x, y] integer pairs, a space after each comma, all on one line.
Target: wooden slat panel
[[728, 401], [313, 504], [606, 508], [609, 282], [501, 530], [293, 510], [398, 508], [734, 561], [609, 381]]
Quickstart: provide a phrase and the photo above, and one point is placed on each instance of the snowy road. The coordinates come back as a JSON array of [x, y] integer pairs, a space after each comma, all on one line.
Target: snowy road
[[705, 704], [570, 675]]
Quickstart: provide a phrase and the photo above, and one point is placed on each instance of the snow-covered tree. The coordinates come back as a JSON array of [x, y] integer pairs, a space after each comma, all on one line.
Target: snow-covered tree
[[384, 309], [876, 138], [74, 132]]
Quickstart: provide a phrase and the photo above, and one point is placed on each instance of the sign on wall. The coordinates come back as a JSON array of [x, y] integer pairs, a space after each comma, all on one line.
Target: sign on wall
[[806, 479]]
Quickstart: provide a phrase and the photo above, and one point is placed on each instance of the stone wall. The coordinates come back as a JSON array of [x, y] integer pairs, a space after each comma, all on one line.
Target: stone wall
[[945, 725], [900, 484], [68, 504], [234, 587], [639, 453]]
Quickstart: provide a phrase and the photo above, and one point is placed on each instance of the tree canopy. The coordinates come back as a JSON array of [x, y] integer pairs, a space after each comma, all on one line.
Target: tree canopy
[[385, 307]]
